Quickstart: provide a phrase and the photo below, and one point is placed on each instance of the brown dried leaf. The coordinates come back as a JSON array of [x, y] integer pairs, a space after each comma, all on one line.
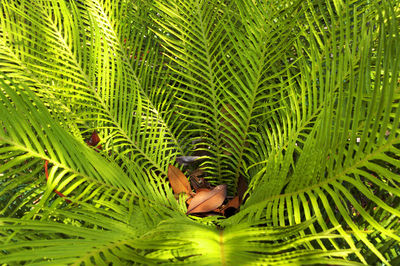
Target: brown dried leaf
[[233, 203], [199, 182], [206, 201], [218, 210], [202, 189], [189, 200], [178, 181], [195, 182], [94, 139], [231, 207]]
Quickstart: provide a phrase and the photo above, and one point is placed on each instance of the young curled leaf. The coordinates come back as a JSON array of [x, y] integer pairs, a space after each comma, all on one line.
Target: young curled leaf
[[207, 200], [178, 181]]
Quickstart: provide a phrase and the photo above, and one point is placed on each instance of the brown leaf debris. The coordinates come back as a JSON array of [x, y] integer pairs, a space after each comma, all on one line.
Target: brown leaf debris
[[205, 201], [178, 181]]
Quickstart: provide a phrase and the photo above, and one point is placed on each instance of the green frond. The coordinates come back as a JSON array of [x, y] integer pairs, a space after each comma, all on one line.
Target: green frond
[[174, 241], [298, 98], [101, 84], [346, 153]]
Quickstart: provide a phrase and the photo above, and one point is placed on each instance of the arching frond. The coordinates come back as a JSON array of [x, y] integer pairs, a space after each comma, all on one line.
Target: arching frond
[[298, 98], [342, 165], [174, 241], [76, 169]]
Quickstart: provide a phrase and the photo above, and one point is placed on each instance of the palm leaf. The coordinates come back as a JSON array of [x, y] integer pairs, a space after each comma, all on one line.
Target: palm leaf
[[113, 240], [299, 98], [335, 162]]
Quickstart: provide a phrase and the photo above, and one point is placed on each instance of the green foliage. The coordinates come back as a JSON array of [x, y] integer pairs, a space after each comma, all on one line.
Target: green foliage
[[301, 98]]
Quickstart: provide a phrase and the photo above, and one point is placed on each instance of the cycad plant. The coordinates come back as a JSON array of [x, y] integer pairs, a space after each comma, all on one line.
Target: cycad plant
[[298, 99]]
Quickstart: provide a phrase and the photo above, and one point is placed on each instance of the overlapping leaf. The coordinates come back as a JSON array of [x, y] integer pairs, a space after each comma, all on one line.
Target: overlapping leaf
[[298, 98]]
